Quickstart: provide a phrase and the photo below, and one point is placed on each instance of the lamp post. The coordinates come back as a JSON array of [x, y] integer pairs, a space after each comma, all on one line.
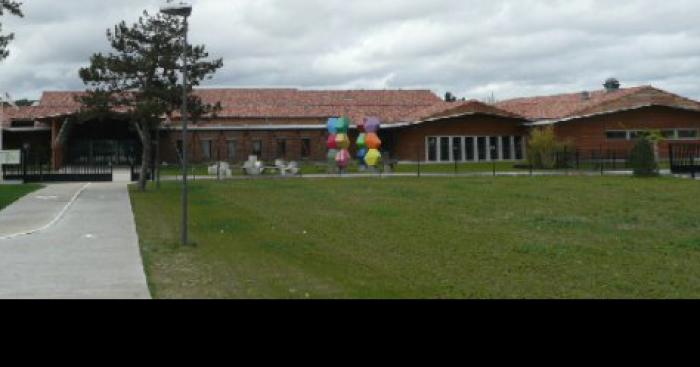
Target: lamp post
[[183, 10]]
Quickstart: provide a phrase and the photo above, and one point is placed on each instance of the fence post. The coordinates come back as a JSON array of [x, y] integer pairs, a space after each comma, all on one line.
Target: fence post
[[419, 163]]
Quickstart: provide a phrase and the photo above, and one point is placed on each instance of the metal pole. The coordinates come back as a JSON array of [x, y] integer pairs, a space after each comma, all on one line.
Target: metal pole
[[185, 236]]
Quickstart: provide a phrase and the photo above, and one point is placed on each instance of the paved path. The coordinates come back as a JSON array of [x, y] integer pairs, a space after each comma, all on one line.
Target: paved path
[[90, 251]]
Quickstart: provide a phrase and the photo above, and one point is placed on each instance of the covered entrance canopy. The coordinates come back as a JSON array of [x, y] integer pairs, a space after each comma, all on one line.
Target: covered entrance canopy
[[101, 142]]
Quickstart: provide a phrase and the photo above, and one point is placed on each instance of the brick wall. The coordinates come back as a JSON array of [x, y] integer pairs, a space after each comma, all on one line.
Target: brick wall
[[408, 143], [590, 133]]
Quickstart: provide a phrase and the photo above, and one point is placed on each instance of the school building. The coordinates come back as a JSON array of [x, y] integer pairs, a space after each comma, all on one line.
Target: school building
[[290, 124]]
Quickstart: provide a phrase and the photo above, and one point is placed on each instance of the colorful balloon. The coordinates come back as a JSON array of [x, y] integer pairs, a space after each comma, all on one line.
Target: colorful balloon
[[332, 143], [342, 125], [343, 158], [361, 126], [373, 142], [373, 157], [342, 141], [362, 141], [361, 154], [332, 154], [332, 125], [372, 125]]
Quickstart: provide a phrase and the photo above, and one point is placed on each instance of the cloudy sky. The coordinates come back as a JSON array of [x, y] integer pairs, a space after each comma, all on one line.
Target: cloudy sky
[[471, 47]]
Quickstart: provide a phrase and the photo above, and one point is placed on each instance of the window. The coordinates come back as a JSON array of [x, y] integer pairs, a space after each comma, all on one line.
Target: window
[[444, 149], [457, 149], [281, 148], [23, 123], [481, 143], [616, 135], [305, 148], [668, 134], [493, 147], [432, 149], [206, 150], [687, 134], [257, 148], [518, 143], [469, 148], [636, 134], [505, 148], [231, 147]]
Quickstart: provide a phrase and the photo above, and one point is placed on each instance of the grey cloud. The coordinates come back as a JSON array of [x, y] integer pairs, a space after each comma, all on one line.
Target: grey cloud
[[508, 47]]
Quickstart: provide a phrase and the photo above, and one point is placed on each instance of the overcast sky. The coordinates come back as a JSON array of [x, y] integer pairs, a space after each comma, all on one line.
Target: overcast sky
[[470, 47]]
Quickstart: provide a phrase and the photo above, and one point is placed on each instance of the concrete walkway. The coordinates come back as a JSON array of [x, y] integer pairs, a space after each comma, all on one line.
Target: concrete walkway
[[89, 249]]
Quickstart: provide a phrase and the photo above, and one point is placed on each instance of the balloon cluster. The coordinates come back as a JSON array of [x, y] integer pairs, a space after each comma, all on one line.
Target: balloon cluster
[[368, 142], [339, 142]]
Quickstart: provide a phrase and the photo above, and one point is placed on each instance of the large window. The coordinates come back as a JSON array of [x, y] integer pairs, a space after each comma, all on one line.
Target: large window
[[257, 148], [616, 135], [687, 134], [469, 148], [669, 134], [482, 148], [432, 149], [281, 148], [474, 149], [457, 149], [305, 148], [506, 152], [444, 149], [493, 148], [206, 150], [518, 145], [231, 147]]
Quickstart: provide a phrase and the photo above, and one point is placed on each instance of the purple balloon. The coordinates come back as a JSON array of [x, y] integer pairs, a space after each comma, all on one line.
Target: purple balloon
[[372, 125]]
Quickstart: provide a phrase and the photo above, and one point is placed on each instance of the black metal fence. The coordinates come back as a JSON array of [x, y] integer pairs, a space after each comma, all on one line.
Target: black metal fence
[[593, 160], [45, 173], [684, 158]]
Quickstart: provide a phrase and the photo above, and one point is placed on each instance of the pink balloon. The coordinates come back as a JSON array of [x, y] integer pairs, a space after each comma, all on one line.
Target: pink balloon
[[343, 158]]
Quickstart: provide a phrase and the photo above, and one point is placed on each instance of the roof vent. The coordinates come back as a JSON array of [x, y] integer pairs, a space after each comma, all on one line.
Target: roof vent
[[585, 96], [612, 85]]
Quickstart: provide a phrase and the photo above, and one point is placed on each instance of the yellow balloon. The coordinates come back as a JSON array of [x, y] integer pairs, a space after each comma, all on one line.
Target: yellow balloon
[[373, 157], [342, 141]]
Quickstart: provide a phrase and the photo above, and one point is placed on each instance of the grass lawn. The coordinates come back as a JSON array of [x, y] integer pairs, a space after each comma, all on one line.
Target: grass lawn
[[506, 237], [10, 193]]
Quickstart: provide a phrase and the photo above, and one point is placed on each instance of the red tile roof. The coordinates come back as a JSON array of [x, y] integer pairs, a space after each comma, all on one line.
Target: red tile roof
[[449, 109], [389, 105], [565, 106]]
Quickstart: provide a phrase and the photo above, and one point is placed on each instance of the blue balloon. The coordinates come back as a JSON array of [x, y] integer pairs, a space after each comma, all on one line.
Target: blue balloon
[[361, 154], [332, 125]]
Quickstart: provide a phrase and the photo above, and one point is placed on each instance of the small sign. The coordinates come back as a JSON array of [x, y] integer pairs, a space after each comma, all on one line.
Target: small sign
[[10, 157]]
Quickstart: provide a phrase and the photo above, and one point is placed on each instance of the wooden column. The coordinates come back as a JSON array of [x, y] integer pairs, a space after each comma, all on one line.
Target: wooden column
[[56, 147]]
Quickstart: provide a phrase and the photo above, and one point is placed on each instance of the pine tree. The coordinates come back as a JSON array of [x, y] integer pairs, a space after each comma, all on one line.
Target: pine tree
[[139, 79], [12, 7]]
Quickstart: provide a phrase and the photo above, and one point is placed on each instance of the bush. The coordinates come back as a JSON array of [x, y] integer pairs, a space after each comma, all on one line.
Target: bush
[[643, 160], [543, 148]]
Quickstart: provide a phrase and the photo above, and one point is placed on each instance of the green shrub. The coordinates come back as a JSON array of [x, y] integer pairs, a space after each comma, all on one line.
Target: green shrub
[[642, 158], [543, 147]]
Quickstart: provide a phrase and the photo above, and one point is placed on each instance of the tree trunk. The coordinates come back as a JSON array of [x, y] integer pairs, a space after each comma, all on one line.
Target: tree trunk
[[145, 134], [157, 164]]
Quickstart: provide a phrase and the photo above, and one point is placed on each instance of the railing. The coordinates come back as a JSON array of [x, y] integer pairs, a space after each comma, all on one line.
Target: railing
[[684, 158], [45, 173]]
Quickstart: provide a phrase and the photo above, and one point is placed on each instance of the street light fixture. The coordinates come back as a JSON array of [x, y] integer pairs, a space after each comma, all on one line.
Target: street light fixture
[[184, 10]]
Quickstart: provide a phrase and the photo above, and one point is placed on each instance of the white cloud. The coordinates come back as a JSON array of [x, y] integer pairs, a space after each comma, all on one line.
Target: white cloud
[[472, 48]]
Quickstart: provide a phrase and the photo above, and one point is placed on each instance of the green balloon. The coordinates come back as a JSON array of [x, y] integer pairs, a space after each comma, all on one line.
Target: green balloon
[[343, 125], [362, 141]]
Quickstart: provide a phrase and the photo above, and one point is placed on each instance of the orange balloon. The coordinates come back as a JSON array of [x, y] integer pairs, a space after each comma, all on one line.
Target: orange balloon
[[373, 141]]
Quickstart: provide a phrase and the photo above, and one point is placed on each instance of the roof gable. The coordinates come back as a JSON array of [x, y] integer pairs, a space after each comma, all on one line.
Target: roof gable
[[567, 106]]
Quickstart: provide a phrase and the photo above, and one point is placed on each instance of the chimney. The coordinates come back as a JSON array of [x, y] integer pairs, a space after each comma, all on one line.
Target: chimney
[[612, 85]]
